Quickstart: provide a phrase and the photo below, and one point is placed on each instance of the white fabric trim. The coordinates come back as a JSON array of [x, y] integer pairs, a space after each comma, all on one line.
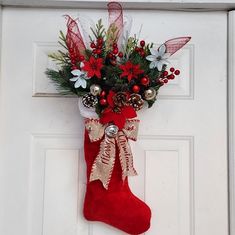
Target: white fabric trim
[[86, 112]]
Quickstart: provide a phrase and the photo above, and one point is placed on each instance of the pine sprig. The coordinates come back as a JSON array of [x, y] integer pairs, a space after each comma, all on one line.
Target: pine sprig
[[99, 31], [61, 80], [60, 58], [62, 40]]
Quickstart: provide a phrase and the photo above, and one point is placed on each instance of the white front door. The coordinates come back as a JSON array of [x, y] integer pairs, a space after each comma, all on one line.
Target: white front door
[[181, 152]]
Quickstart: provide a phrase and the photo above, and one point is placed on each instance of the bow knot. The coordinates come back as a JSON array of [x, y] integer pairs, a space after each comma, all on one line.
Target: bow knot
[[103, 165]]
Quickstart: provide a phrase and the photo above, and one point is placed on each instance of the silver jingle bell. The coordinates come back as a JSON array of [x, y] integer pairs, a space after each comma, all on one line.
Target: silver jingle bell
[[95, 89], [111, 131], [150, 94]]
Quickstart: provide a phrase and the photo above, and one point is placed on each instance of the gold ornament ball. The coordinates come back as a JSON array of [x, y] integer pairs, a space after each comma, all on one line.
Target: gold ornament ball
[[95, 89], [150, 94]]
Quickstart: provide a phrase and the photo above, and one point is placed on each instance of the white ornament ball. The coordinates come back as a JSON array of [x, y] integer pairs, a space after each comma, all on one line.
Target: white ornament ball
[[95, 89]]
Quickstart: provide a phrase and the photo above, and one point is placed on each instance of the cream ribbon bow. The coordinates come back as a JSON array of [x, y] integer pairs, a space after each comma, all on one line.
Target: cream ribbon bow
[[103, 165]]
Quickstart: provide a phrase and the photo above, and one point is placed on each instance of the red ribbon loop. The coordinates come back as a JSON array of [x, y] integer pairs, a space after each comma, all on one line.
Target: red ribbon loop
[[173, 45], [74, 40], [116, 16]]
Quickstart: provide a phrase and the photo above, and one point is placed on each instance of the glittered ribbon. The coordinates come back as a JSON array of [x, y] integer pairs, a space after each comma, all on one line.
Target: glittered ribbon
[[174, 44], [116, 15], [115, 24], [103, 165], [74, 40]]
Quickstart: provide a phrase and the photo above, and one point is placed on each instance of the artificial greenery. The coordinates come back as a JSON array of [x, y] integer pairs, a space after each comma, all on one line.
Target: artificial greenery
[[110, 72]]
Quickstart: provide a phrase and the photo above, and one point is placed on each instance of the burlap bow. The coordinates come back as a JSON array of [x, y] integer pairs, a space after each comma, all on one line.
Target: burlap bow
[[104, 163]]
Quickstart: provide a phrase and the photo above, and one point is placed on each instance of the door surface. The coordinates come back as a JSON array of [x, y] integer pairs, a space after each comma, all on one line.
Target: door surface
[[181, 152]]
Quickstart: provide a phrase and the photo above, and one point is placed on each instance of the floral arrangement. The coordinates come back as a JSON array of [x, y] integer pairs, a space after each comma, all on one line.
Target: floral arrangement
[[115, 75]]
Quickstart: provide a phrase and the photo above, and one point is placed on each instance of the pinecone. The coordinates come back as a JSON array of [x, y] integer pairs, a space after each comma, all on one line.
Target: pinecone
[[89, 100], [120, 99], [136, 101]]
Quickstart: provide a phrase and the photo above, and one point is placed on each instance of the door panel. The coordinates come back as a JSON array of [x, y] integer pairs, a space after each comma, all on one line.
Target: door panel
[[181, 152]]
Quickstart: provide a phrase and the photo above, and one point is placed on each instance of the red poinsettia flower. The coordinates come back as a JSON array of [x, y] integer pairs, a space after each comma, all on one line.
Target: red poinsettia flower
[[93, 67], [130, 70], [118, 117]]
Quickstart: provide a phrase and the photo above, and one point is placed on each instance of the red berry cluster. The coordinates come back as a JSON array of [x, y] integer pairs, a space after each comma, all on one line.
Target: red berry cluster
[[97, 47], [112, 55], [144, 81], [75, 59], [140, 49], [166, 76], [103, 100]]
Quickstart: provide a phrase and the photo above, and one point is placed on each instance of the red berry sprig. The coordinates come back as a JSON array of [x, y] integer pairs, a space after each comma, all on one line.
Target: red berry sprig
[[120, 54], [174, 72], [103, 94], [115, 51], [140, 49], [75, 59], [100, 41], [81, 57], [177, 72], [103, 102], [112, 55], [166, 76], [142, 43], [92, 45], [97, 47]]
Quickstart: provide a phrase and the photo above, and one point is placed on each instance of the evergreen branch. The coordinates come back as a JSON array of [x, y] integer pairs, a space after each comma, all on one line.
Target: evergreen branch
[[94, 32], [61, 80], [64, 54], [59, 59], [90, 38], [63, 40], [99, 31], [62, 44]]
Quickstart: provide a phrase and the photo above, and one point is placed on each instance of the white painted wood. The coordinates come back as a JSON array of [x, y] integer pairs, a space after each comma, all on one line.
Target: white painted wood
[[57, 183], [1, 137], [231, 118], [169, 182], [181, 153], [197, 5]]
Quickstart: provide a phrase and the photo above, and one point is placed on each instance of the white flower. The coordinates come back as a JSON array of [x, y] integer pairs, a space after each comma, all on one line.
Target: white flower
[[81, 65], [158, 57], [79, 79]]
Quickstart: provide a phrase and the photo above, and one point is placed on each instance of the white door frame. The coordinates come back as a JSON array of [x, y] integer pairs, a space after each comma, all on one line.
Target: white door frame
[[1, 158], [231, 118], [190, 5]]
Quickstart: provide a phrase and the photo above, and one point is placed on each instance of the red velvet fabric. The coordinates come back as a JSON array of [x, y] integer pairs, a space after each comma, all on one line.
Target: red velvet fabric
[[117, 206]]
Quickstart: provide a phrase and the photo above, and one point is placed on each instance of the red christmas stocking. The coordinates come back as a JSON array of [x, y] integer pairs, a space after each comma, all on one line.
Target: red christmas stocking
[[117, 205]]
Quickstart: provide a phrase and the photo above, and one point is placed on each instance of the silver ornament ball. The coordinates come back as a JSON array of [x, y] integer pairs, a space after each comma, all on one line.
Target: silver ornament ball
[[111, 131], [95, 89], [150, 94]]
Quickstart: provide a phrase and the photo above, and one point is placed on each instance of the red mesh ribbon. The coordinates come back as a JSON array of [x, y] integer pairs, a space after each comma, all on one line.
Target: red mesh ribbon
[[173, 45], [116, 15], [74, 38]]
